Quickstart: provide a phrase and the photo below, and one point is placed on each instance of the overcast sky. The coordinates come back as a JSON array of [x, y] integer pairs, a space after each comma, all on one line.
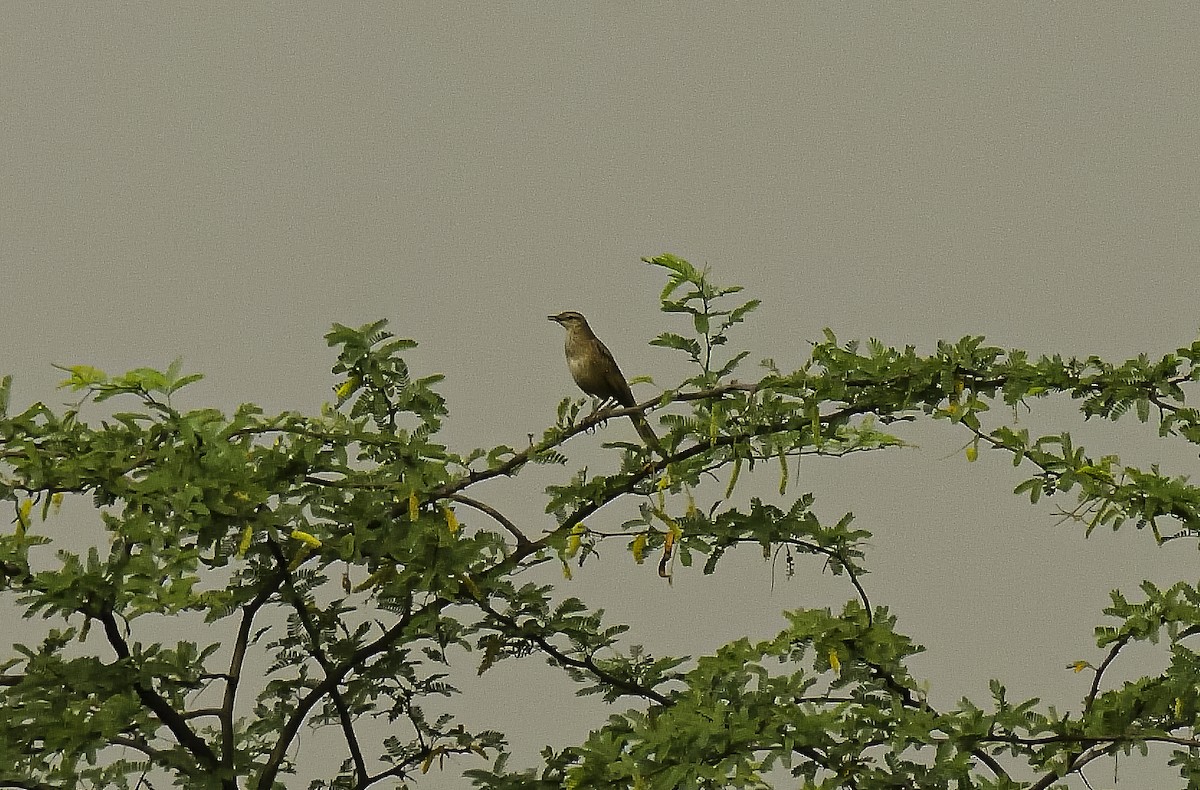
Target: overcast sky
[[222, 183]]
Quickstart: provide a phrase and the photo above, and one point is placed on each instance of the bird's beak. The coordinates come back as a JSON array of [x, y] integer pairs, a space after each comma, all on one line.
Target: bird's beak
[[554, 318]]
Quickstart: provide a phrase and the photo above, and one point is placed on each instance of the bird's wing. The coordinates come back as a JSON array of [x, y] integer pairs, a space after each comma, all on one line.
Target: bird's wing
[[622, 394]]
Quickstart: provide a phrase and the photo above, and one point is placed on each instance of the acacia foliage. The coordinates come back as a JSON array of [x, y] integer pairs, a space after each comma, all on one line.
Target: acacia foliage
[[351, 551]]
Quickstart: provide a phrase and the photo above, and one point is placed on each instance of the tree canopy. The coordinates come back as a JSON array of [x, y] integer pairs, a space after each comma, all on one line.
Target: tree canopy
[[354, 556]]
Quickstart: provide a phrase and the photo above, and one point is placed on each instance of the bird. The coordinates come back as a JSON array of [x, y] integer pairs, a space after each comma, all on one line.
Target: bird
[[596, 372]]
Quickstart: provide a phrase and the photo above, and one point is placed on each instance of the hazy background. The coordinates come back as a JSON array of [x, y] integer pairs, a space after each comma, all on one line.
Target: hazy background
[[222, 182]]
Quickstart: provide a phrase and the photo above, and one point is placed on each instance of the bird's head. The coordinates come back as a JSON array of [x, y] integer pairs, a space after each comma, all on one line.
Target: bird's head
[[569, 320]]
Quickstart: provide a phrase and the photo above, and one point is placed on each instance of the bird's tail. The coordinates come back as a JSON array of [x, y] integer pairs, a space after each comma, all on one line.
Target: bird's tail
[[647, 433]]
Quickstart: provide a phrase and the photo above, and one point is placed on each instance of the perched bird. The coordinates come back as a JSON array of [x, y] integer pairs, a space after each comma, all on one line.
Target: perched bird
[[596, 372]]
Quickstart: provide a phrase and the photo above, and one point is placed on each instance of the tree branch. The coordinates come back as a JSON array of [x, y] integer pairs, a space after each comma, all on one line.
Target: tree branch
[[318, 652], [233, 678], [170, 717], [499, 517], [586, 663]]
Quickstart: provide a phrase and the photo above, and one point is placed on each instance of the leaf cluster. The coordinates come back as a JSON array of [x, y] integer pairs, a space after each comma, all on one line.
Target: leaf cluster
[[363, 560]]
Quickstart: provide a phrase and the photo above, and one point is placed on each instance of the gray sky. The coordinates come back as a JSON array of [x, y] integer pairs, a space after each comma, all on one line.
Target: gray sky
[[222, 182]]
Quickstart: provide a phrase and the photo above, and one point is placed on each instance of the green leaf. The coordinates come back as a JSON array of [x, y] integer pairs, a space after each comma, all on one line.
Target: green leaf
[[82, 377]]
